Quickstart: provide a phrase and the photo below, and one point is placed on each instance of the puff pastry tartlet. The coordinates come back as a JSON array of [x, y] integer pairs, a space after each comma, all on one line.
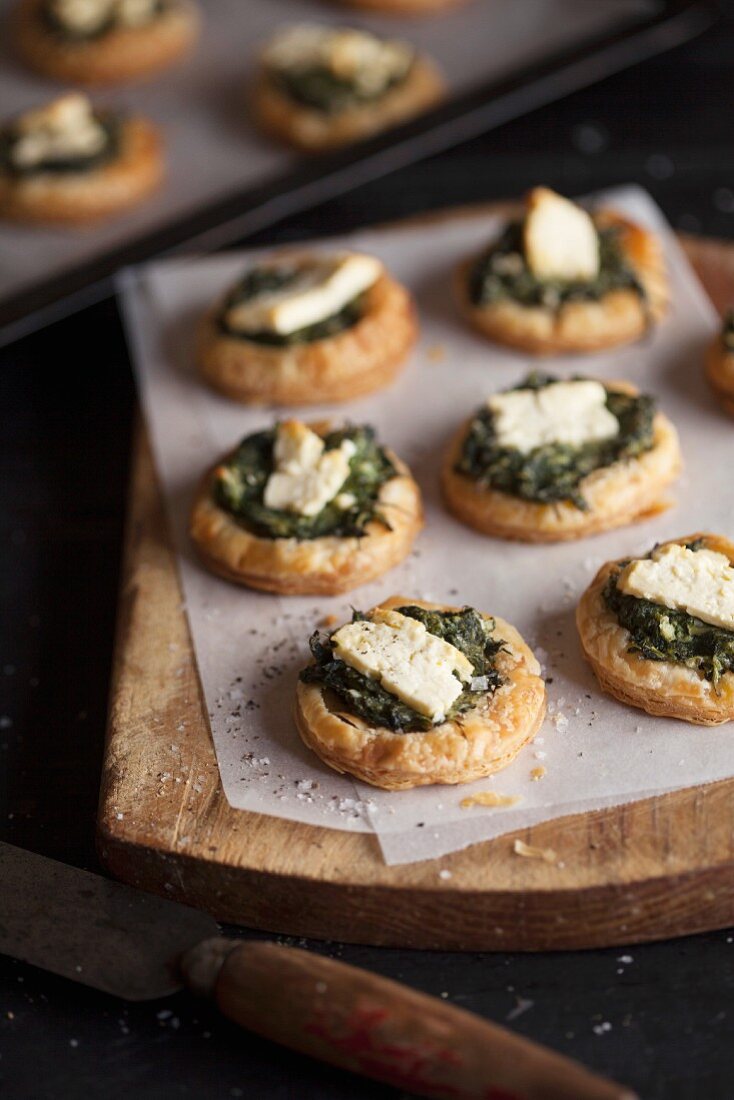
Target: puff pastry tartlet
[[659, 631], [322, 87], [67, 162], [414, 693], [561, 280], [554, 460], [304, 327], [95, 42], [306, 510], [720, 364]]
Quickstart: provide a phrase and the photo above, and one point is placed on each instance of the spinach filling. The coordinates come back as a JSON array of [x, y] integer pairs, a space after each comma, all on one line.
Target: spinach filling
[[322, 90], [240, 486], [554, 472], [111, 124], [61, 30], [264, 280], [502, 273], [365, 697], [658, 633], [727, 332]]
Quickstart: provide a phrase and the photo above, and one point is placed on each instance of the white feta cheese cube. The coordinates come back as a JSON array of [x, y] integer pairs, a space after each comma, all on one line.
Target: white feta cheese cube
[[699, 582], [423, 671], [561, 241], [563, 412]]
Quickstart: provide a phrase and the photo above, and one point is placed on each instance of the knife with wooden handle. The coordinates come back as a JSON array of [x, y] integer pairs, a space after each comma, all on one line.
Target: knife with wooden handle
[[141, 947]]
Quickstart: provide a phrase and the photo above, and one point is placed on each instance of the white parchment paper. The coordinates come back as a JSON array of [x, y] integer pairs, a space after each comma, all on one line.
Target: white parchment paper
[[249, 647], [213, 148]]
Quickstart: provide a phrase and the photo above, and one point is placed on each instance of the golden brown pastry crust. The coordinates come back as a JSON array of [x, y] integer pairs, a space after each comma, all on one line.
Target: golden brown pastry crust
[[314, 131], [479, 742], [324, 566], [720, 373], [626, 492], [354, 362], [658, 687], [101, 192], [123, 54], [618, 318]]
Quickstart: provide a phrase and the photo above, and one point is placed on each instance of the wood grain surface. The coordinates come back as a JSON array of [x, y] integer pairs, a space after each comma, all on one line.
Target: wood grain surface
[[649, 870]]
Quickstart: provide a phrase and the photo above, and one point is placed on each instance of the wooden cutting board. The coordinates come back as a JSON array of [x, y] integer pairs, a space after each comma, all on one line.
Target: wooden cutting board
[[650, 870]]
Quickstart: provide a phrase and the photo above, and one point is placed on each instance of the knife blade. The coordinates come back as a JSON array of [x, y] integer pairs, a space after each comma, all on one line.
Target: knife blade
[[140, 947], [93, 930]]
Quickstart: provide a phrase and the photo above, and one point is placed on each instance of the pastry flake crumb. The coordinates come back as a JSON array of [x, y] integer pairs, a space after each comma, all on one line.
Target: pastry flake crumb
[[490, 798], [531, 851], [329, 620], [537, 773]]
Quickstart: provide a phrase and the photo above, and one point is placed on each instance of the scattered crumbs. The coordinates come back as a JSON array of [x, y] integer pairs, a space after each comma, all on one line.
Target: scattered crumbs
[[164, 1014], [436, 353], [444, 994], [119, 816], [73, 1042], [531, 851], [445, 874], [560, 721], [5, 722], [522, 1004], [540, 755], [10, 1015], [626, 959], [329, 620], [489, 798], [602, 1028], [537, 773]]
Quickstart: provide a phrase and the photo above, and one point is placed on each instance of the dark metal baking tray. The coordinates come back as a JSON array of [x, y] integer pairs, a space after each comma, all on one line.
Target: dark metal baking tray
[[639, 30]]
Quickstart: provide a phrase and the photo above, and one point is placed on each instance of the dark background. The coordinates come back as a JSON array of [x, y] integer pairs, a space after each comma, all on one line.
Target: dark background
[[67, 401]]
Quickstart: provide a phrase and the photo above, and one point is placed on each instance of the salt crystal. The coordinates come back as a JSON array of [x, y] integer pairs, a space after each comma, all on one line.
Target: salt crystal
[[523, 1004], [601, 1029]]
